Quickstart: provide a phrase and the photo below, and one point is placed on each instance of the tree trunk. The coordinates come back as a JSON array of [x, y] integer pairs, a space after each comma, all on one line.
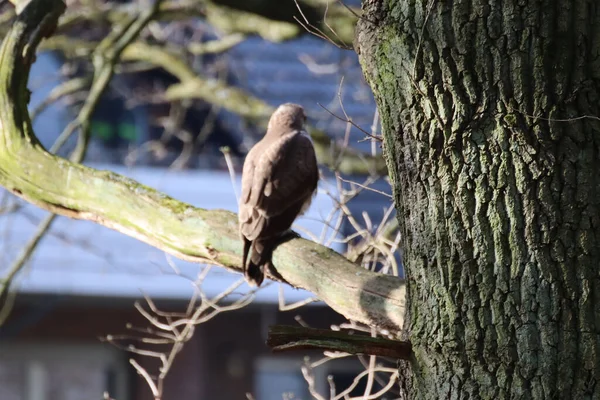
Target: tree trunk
[[498, 196]]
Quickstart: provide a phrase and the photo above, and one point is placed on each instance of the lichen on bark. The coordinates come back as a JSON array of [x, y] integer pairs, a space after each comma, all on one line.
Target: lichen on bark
[[496, 182]]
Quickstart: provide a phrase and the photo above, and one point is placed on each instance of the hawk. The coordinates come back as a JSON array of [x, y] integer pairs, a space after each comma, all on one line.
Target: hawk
[[279, 179]]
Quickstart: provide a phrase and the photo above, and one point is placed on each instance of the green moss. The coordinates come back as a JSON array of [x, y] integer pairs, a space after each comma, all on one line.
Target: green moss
[[232, 20], [510, 119]]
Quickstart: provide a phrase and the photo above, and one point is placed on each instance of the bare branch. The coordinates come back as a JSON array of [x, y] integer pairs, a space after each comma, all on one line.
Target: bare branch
[[146, 377], [17, 265], [311, 28], [216, 46], [64, 89], [282, 338]]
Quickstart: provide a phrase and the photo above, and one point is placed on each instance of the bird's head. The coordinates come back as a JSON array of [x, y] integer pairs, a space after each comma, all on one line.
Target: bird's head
[[287, 117]]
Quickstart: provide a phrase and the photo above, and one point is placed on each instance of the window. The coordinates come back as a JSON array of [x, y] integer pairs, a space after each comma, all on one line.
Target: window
[[61, 372], [275, 376]]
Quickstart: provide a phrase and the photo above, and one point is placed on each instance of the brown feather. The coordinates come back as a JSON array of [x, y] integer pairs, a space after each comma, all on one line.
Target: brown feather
[[279, 178]]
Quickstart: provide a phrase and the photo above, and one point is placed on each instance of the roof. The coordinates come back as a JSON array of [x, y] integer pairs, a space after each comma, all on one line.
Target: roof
[[85, 259], [309, 71]]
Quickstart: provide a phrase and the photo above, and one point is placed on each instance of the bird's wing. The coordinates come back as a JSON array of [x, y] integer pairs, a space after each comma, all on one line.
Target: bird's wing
[[247, 214], [285, 174], [248, 173]]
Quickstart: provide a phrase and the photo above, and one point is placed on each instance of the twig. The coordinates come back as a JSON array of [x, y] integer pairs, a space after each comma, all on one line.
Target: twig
[[331, 29], [310, 379], [140, 370], [347, 7], [354, 124], [231, 169], [429, 8], [216, 46], [24, 256], [593, 117], [310, 28], [370, 189], [64, 89], [371, 370], [298, 304]]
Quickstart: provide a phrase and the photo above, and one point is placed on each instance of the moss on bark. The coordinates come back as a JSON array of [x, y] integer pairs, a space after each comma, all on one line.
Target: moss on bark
[[498, 196]]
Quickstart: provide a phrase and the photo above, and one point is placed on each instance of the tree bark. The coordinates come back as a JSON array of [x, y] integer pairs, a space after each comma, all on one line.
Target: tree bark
[[496, 177]]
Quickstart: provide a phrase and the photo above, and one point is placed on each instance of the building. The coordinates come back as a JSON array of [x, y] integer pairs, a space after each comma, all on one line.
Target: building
[[83, 279]]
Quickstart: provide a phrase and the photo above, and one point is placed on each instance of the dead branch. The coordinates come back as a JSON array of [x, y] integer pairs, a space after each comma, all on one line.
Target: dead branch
[[168, 332], [285, 338]]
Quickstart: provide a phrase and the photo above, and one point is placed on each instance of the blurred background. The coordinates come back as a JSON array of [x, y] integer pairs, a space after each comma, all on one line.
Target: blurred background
[[189, 95]]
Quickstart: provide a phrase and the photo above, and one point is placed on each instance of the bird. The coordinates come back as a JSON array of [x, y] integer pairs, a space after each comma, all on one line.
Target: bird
[[279, 180]]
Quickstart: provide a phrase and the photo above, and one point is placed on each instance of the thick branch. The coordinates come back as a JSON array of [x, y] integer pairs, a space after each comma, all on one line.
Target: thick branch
[[76, 191], [232, 20], [336, 21], [221, 17], [272, 20], [285, 338]]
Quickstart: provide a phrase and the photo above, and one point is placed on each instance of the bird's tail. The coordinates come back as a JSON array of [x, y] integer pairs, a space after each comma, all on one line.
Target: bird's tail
[[257, 254]]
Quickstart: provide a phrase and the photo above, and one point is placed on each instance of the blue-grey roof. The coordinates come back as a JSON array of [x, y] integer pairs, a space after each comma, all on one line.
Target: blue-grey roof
[[308, 71]]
